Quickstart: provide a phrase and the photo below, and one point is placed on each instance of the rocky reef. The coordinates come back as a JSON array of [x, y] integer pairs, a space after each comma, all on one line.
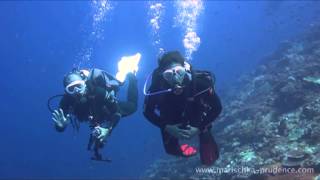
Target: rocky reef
[[271, 119]]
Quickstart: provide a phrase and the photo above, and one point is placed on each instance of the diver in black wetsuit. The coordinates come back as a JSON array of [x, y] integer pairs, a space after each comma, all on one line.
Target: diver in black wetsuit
[[90, 96], [182, 103]]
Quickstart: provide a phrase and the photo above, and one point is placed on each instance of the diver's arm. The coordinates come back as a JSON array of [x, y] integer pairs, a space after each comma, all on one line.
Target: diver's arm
[[132, 95], [213, 113], [149, 112], [131, 104], [150, 103], [114, 121]]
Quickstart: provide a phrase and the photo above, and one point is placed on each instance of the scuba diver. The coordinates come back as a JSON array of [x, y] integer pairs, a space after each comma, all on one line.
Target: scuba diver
[[182, 103], [91, 96]]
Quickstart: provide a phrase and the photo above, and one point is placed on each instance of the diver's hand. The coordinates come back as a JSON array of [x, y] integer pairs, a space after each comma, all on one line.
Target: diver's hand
[[103, 133], [192, 131], [59, 119], [177, 132]]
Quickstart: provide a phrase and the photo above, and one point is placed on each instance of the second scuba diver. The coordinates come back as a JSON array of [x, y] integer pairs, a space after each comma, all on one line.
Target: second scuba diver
[[91, 96], [182, 103]]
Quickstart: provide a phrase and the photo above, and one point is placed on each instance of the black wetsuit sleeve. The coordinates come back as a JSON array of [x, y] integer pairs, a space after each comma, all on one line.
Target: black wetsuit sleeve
[[150, 106], [216, 108], [150, 114], [130, 106]]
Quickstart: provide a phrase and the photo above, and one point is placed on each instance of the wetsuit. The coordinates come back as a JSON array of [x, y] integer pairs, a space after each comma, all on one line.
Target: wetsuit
[[189, 109], [95, 107]]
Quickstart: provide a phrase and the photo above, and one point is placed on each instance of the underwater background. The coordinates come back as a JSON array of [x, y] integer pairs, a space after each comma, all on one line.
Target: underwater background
[[246, 44]]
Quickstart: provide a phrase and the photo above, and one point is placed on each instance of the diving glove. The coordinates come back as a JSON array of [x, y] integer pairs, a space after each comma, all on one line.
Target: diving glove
[[176, 131], [101, 133], [60, 120]]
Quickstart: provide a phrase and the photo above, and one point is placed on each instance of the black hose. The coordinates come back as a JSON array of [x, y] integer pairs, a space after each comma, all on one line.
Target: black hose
[[49, 101]]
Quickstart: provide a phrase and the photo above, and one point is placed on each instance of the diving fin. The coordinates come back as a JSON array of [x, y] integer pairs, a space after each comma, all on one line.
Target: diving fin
[[187, 150], [209, 151]]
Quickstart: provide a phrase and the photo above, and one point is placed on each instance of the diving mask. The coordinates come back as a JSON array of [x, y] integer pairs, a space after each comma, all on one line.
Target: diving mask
[[174, 75], [76, 87]]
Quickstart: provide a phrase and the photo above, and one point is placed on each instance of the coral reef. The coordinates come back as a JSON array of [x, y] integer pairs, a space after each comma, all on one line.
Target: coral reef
[[293, 158], [271, 120]]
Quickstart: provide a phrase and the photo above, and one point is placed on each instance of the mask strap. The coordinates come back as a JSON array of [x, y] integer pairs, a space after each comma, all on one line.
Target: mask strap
[[76, 82]]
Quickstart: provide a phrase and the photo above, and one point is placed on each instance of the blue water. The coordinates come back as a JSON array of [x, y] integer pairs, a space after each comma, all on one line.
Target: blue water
[[41, 41]]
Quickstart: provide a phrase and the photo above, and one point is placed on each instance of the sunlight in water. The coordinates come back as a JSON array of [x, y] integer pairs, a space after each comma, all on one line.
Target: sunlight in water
[[128, 64], [156, 11], [100, 10], [188, 12]]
